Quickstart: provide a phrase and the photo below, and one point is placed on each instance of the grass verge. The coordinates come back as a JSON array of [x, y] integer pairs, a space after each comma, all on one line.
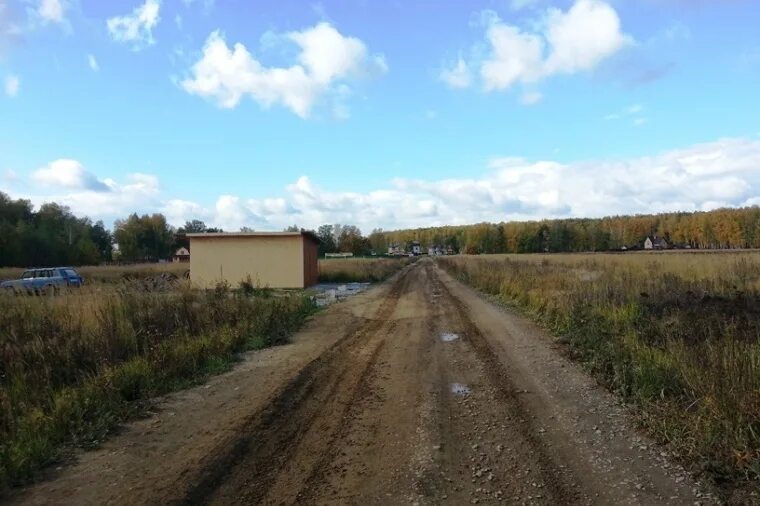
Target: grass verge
[[74, 367]]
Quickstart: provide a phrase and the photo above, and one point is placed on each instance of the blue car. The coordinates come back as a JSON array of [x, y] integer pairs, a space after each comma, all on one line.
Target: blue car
[[48, 281]]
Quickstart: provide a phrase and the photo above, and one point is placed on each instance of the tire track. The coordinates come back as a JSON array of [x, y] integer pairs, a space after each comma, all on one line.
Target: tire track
[[560, 486], [251, 463]]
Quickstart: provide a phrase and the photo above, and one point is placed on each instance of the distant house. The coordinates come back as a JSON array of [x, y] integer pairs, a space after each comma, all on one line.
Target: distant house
[[655, 242], [181, 255], [416, 248], [435, 250], [339, 255], [395, 249]]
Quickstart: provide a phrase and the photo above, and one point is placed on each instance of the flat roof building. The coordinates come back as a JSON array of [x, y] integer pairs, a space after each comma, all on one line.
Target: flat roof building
[[270, 259]]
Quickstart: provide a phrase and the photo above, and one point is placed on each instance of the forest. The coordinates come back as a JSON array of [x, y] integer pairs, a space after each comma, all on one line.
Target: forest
[[718, 229]]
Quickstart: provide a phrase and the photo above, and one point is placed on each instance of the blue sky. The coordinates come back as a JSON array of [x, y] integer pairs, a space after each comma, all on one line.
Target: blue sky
[[382, 114]]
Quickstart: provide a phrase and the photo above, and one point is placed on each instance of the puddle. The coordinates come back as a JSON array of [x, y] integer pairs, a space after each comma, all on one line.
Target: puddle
[[447, 337], [460, 389], [329, 293]]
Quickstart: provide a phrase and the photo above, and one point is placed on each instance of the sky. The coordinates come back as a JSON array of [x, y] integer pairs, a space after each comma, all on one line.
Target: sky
[[389, 114]]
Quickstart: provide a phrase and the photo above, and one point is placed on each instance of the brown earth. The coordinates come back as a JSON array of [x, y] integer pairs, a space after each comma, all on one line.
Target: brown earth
[[416, 392]]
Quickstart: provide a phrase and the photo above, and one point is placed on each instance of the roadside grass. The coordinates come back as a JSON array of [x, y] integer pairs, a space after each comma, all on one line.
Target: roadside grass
[[678, 336], [362, 270], [74, 367]]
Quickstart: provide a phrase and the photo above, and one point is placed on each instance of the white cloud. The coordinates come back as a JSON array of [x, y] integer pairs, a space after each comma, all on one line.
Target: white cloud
[[531, 98], [136, 28], [515, 57], [51, 11], [325, 61], [704, 176], [583, 36], [459, 76], [700, 177], [68, 174], [93, 63], [560, 43], [12, 85]]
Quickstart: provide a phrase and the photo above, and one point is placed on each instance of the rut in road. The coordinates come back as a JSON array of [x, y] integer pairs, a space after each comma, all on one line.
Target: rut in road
[[375, 420], [248, 468]]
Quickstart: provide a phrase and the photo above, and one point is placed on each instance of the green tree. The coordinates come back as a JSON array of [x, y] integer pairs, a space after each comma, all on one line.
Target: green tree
[[327, 240], [144, 238]]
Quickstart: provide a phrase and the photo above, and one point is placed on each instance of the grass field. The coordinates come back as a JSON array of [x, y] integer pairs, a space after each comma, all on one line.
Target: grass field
[[678, 335], [343, 270]]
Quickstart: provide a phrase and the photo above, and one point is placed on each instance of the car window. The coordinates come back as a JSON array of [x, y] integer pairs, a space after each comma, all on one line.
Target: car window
[[71, 273], [27, 275]]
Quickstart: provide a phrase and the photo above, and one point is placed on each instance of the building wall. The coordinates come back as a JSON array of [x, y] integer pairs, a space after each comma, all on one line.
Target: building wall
[[276, 262], [310, 262]]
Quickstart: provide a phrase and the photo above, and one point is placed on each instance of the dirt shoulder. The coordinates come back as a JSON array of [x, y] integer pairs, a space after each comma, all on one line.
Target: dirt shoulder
[[416, 392]]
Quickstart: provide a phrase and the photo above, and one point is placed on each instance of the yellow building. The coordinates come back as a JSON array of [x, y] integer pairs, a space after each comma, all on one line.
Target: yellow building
[[271, 259]]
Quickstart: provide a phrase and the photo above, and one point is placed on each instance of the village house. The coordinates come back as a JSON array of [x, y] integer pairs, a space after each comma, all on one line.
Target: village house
[[268, 259], [182, 255], [655, 242], [395, 249]]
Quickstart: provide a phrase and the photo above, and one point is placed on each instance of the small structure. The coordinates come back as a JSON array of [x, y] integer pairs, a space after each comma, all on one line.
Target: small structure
[[395, 249], [339, 255], [269, 259], [415, 248], [655, 243], [182, 255]]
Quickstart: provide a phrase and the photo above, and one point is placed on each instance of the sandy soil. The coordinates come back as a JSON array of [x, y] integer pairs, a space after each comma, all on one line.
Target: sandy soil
[[418, 391]]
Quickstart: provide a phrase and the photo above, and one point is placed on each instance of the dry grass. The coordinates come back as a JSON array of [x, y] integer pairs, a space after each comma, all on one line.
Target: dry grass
[[73, 367], [676, 334], [343, 270]]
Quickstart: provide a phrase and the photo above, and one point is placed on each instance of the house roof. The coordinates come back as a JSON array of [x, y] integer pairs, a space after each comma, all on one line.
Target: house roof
[[228, 235]]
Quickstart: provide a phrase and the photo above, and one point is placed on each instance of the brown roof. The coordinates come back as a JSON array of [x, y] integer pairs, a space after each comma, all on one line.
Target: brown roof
[[218, 235]]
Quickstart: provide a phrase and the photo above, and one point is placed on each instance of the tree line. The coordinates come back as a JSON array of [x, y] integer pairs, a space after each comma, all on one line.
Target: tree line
[[52, 235], [718, 229]]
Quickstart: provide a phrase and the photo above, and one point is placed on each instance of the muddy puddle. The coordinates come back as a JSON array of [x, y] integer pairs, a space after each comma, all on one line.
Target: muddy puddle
[[460, 389], [447, 337]]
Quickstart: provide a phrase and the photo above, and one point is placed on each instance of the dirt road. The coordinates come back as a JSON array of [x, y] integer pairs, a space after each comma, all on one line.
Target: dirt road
[[416, 392]]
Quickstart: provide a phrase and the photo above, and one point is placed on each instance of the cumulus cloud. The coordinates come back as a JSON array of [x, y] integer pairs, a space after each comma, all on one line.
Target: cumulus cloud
[[68, 174], [705, 176], [12, 85], [136, 28], [700, 177], [139, 193], [326, 59], [577, 40]]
